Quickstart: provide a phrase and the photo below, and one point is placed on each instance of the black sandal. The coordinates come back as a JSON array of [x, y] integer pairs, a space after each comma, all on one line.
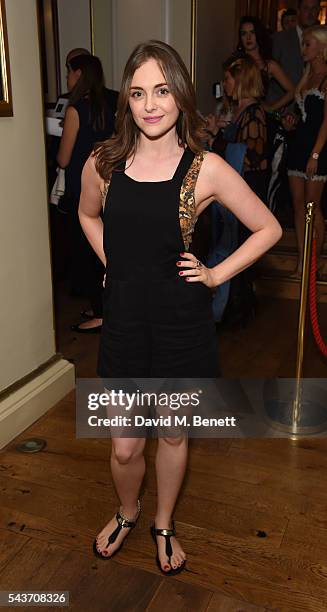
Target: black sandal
[[166, 533], [122, 521]]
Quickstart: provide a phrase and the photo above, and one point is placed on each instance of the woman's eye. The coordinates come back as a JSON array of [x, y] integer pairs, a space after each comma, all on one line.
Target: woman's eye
[[136, 94], [163, 91]]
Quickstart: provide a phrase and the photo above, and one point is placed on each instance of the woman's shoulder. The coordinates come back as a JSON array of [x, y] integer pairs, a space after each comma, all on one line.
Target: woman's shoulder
[[212, 162], [91, 173]]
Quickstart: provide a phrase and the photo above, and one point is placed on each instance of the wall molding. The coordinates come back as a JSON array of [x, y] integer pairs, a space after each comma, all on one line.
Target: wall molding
[[30, 401]]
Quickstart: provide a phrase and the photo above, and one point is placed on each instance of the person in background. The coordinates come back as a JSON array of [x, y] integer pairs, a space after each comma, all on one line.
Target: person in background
[[74, 53], [289, 19], [248, 125], [255, 40], [243, 85], [111, 94], [89, 118], [307, 155], [287, 45]]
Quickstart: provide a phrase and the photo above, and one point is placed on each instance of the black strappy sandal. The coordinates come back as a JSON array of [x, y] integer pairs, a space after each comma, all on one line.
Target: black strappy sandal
[[166, 533], [122, 521]]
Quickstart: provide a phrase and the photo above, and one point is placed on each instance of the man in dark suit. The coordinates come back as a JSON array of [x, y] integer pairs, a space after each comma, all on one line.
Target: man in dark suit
[[287, 45]]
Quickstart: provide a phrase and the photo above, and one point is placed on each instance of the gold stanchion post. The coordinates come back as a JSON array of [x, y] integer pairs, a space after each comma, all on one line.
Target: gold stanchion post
[[300, 409], [306, 265]]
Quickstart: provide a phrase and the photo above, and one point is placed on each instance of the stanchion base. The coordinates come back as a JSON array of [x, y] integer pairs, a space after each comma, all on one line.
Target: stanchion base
[[311, 417]]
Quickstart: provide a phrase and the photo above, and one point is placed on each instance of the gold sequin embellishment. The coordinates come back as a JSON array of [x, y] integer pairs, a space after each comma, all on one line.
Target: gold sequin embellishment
[[187, 208]]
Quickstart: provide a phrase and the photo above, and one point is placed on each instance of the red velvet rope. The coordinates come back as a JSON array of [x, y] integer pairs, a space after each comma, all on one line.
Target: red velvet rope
[[313, 303]]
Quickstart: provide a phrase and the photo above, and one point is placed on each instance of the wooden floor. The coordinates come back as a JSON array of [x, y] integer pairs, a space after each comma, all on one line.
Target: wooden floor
[[252, 514]]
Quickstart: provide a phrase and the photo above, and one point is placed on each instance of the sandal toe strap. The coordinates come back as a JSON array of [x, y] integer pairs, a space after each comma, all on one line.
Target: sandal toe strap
[[167, 533], [113, 535]]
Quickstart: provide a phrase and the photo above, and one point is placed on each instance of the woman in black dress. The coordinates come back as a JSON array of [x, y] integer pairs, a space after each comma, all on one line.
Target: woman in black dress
[[307, 156], [155, 179], [255, 41], [89, 118]]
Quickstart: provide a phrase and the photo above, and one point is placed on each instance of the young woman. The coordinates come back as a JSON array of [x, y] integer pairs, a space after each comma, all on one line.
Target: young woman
[[254, 40], [89, 118], [243, 86], [155, 180], [248, 125], [307, 157]]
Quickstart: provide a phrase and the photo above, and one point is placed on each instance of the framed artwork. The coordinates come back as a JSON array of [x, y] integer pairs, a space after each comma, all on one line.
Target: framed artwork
[[6, 108]]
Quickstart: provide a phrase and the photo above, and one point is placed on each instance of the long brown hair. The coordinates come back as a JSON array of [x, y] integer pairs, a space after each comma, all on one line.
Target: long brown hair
[[190, 127], [91, 85]]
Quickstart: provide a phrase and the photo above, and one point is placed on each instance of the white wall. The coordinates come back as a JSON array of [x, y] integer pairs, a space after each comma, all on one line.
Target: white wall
[[215, 38], [180, 28], [74, 30], [51, 59], [102, 30], [134, 22], [27, 330]]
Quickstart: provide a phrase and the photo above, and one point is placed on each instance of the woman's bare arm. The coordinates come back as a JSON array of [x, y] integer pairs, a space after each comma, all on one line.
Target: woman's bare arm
[[69, 135], [284, 81], [90, 205]]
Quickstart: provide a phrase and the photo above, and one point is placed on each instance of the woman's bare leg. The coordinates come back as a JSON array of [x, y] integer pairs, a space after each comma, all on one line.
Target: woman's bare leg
[[297, 186], [127, 468], [171, 461], [313, 193]]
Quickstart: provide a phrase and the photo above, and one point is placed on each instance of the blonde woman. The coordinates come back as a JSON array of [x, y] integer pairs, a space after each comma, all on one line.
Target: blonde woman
[[307, 163], [242, 82]]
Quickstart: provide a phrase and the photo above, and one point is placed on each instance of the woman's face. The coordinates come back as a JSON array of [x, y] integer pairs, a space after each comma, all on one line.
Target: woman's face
[[152, 105], [72, 77], [229, 84], [248, 37], [311, 48]]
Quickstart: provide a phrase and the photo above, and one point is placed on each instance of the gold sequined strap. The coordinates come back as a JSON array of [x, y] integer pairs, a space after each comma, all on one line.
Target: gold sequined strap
[[104, 193], [187, 207]]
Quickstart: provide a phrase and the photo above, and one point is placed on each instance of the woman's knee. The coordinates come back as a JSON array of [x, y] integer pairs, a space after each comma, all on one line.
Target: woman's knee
[[174, 441], [125, 451]]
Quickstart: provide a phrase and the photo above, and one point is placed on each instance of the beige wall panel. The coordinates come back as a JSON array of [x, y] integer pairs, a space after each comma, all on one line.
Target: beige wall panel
[[215, 38], [74, 30], [27, 335]]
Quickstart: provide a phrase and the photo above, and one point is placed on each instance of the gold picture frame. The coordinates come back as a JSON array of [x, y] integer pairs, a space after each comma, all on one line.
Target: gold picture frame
[[6, 107]]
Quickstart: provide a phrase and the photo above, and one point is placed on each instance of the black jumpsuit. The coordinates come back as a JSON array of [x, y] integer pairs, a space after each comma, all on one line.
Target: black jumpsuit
[[155, 324]]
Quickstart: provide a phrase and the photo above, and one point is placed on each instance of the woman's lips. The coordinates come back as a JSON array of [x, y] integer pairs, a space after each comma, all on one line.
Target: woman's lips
[[152, 119]]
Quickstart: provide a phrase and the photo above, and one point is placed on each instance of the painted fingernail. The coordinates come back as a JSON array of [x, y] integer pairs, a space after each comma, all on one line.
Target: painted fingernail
[[180, 273], [179, 263], [182, 254], [187, 279]]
